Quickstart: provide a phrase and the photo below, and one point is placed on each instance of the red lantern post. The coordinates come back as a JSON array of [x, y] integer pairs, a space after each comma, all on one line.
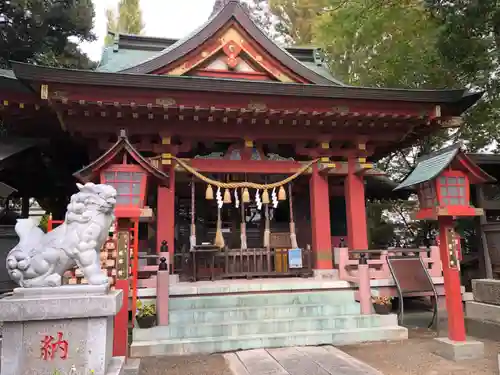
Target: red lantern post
[[442, 181]]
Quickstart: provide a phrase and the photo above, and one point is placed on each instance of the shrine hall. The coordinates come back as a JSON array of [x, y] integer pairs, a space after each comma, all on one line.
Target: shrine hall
[[232, 156]]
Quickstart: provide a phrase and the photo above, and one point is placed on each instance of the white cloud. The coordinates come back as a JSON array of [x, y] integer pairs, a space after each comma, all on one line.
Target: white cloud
[[163, 18]]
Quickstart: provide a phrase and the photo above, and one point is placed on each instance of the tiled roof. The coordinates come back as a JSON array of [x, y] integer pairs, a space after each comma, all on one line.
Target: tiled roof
[[430, 166]]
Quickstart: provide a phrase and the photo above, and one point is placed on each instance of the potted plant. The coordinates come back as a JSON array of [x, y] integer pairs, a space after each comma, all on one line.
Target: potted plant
[[146, 314], [382, 304]]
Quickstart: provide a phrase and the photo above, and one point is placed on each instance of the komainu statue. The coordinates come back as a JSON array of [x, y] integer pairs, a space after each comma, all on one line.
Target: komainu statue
[[40, 259]]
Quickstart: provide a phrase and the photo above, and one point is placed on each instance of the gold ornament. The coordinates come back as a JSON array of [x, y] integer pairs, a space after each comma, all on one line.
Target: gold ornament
[[265, 197], [209, 194], [227, 196], [281, 194], [245, 196]]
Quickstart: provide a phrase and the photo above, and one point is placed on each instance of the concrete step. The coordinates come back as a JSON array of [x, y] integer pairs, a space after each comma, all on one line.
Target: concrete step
[[271, 326], [260, 312], [276, 340], [248, 300]]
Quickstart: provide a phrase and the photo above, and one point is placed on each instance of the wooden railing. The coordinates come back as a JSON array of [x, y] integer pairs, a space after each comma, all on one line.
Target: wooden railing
[[261, 262], [347, 261]]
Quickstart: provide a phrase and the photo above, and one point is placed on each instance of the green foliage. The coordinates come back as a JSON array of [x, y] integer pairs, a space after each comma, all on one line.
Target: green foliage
[[297, 18], [469, 42], [127, 20], [44, 222], [39, 31], [144, 310]]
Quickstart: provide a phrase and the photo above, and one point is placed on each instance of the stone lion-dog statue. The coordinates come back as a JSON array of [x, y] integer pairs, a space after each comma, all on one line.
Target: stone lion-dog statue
[[40, 259]]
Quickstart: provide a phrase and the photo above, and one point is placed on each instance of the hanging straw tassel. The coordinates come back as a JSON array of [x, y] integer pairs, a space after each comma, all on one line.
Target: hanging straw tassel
[[219, 238], [282, 194], [227, 196], [267, 228], [265, 197], [209, 194], [245, 197], [293, 236]]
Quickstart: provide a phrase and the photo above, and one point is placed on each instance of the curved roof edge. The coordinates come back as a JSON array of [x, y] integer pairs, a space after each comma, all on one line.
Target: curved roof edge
[[88, 172], [232, 10]]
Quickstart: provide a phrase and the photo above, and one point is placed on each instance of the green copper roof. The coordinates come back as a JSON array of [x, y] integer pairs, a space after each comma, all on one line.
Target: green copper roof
[[115, 61], [430, 166]]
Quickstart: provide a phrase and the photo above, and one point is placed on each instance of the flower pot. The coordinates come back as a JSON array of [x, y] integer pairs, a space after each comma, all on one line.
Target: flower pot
[[146, 321], [382, 309]]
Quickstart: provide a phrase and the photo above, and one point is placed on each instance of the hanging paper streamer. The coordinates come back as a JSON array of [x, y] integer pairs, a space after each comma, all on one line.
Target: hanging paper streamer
[[274, 198], [258, 202], [218, 197], [236, 199]]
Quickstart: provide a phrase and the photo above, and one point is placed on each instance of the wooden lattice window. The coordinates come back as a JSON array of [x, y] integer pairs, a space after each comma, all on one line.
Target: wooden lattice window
[[453, 189], [129, 182]]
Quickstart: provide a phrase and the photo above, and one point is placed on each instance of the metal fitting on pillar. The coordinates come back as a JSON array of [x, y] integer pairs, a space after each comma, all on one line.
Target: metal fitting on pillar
[[163, 264], [164, 247]]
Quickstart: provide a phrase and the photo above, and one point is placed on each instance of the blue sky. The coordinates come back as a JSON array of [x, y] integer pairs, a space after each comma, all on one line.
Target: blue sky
[[167, 18]]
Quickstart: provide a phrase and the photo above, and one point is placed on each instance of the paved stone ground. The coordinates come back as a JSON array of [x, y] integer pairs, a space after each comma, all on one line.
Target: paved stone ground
[[414, 357], [185, 365], [325, 360]]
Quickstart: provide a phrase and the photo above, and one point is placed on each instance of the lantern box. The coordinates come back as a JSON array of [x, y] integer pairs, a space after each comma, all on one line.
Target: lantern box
[[442, 181], [446, 195], [129, 180], [124, 168]]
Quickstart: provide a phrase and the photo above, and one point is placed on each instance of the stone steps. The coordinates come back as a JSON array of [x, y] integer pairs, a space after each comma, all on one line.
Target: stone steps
[[276, 340], [260, 312], [251, 300], [270, 326], [220, 323]]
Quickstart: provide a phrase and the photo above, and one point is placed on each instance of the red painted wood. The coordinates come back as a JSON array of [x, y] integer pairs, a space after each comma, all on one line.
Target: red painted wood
[[245, 166], [234, 100], [454, 307], [320, 220], [165, 218], [254, 76], [214, 131], [120, 337], [357, 232]]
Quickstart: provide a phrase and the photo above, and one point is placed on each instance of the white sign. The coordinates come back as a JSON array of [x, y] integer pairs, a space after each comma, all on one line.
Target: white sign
[[295, 258]]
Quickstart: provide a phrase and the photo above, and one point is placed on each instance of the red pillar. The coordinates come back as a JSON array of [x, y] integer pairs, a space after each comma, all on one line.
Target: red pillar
[[357, 233], [120, 338], [165, 215], [320, 220], [454, 307]]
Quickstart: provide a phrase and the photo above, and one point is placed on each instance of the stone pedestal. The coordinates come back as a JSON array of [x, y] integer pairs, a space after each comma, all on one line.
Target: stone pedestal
[[458, 350], [62, 330], [486, 291]]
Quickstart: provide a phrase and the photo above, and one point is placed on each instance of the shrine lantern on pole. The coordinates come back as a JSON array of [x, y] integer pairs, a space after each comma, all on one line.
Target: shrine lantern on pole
[[442, 181], [124, 168]]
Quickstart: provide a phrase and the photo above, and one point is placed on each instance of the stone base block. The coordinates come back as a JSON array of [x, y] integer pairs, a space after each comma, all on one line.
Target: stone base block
[[486, 291], [132, 366], [66, 330], [326, 274], [482, 311], [482, 329], [457, 351]]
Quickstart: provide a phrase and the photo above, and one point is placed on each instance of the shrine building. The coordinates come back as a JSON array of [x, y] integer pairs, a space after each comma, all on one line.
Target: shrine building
[[249, 148]]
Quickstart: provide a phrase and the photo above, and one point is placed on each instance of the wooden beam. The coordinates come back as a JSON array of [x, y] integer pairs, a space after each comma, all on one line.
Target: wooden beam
[[200, 131]]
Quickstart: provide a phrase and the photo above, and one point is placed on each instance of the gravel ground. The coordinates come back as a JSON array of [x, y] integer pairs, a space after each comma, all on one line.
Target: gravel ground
[[185, 365], [414, 357]]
